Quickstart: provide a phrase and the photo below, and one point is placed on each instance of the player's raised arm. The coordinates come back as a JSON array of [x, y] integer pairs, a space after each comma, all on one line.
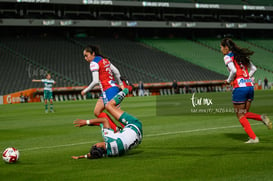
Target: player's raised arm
[[35, 80]]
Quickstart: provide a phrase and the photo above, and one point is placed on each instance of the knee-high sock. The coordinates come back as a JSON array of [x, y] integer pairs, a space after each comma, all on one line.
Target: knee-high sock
[[244, 122], [250, 115], [120, 96]]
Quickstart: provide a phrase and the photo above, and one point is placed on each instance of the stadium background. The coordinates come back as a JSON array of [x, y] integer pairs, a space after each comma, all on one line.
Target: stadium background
[[153, 42]]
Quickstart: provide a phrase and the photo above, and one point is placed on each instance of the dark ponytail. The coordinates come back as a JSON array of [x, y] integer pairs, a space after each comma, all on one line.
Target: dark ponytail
[[241, 55], [94, 49]]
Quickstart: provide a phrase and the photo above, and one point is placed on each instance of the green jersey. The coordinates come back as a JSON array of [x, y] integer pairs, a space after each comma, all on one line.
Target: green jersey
[[128, 138], [48, 84]]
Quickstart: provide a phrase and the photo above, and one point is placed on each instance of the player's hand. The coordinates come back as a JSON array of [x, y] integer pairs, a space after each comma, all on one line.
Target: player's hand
[[75, 157], [82, 93], [79, 123]]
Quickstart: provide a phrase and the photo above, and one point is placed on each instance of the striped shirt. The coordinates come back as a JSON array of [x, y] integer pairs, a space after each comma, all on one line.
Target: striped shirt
[[242, 78], [48, 84]]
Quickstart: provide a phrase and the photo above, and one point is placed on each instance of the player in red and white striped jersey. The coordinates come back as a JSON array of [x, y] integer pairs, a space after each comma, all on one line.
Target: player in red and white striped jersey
[[241, 70], [104, 74]]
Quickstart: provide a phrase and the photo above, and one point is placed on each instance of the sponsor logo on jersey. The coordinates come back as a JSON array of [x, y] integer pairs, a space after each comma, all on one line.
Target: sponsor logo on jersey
[[243, 81]]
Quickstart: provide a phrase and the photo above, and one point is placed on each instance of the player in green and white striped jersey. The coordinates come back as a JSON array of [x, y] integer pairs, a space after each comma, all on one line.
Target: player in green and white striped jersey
[[115, 144], [48, 83]]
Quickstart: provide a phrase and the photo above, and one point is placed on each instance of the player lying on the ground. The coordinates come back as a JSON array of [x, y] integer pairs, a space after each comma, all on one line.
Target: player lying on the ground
[[115, 144]]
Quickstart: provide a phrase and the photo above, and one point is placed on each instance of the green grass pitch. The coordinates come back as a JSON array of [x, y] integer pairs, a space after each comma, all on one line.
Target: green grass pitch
[[186, 146]]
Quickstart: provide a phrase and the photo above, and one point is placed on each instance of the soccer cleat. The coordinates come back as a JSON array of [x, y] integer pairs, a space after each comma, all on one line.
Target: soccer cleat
[[266, 121], [52, 111], [46, 111], [252, 141]]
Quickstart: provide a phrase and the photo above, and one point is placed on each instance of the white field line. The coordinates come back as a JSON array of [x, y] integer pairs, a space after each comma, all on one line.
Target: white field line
[[149, 135], [56, 146], [196, 130]]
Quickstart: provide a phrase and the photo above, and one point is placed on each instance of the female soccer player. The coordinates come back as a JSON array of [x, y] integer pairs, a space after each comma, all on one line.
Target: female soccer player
[[48, 83], [241, 70], [115, 144], [103, 73]]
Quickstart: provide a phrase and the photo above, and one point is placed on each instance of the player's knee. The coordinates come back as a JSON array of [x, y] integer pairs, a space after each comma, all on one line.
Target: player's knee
[[110, 105], [96, 113]]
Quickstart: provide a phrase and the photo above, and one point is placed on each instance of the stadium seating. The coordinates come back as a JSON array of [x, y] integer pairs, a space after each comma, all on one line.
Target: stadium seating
[[64, 59], [207, 54], [16, 65], [183, 48], [263, 71], [148, 60], [261, 57], [148, 64], [49, 53], [262, 43], [12, 69]]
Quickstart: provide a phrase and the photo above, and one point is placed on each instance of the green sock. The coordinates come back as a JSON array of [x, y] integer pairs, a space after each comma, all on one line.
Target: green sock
[[120, 96], [46, 107], [51, 106]]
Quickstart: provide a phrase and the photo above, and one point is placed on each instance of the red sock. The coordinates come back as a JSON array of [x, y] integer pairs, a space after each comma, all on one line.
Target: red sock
[[254, 116], [122, 125], [111, 121], [244, 122], [112, 124]]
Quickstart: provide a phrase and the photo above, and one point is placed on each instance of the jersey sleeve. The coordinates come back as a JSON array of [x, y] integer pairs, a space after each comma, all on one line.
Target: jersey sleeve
[[43, 80], [116, 73], [95, 81], [94, 66], [232, 72], [252, 69], [227, 59]]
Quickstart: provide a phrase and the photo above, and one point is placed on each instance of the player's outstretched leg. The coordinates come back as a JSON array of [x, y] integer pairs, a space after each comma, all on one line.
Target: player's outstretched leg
[[111, 106], [251, 115]]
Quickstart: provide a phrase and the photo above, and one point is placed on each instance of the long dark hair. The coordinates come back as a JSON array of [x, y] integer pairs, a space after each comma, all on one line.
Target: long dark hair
[[94, 49], [241, 55]]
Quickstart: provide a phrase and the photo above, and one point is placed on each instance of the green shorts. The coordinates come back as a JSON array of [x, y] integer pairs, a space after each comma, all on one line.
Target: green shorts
[[127, 119], [48, 95]]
